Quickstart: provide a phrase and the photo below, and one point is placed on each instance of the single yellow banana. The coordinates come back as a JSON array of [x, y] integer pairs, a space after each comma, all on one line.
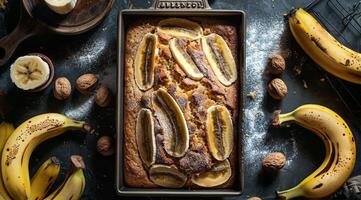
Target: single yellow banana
[[44, 178], [323, 48], [20, 145], [340, 150], [74, 185], [6, 129]]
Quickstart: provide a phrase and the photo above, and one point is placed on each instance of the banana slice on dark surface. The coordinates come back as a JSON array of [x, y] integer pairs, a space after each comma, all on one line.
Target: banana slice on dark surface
[[219, 132], [178, 27], [144, 63], [145, 136], [188, 64], [29, 72], [217, 175], [167, 176], [173, 123], [220, 58]]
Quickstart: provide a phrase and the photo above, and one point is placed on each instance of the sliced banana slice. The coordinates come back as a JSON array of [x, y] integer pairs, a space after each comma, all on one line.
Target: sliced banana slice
[[29, 72], [219, 132], [167, 176], [220, 58], [145, 136], [186, 62], [217, 175], [61, 6], [171, 118], [178, 27], [145, 61]]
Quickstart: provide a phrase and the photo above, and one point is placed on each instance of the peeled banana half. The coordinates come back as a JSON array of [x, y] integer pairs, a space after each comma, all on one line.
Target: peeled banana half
[[340, 151], [182, 28], [219, 132], [172, 120], [145, 60], [29, 72], [323, 48], [220, 58], [61, 6], [22, 142]]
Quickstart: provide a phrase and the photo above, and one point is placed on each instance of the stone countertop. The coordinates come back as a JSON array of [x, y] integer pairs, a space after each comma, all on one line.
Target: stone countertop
[[95, 52]]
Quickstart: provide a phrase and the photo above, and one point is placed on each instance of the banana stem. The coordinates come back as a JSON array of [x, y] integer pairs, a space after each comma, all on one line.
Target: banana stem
[[74, 124], [284, 118], [290, 194], [280, 119]]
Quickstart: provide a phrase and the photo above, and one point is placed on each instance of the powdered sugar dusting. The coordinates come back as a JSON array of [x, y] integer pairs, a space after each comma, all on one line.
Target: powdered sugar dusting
[[263, 37], [81, 111]]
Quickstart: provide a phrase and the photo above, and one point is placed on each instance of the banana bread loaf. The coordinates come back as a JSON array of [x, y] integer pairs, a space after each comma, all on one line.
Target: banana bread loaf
[[181, 103]]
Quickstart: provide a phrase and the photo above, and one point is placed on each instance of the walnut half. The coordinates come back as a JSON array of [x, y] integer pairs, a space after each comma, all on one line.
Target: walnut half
[[277, 89], [62, 88], [274, 162], [86, 83]]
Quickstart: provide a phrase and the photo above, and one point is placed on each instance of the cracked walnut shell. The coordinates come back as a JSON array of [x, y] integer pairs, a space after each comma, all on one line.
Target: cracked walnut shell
[[277, 64], [277, 89], [105, 146], [103, 97], [274, 161], [86, 83], [62, 88]]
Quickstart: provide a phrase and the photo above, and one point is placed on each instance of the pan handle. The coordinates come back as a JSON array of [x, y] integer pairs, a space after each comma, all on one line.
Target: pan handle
[[26, 27], [180, 4]]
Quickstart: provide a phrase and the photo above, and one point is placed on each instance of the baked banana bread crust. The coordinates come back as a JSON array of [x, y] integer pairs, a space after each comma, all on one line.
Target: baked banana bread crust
[[194, 98]]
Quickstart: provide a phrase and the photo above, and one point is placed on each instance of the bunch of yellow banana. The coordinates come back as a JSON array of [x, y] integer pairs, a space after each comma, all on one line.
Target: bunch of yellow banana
[[20, 145], [6, 130], [340, 150], [323, 48], [44, 178]]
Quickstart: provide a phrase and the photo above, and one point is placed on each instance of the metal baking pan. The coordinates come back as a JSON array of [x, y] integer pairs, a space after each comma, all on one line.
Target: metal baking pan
[[179, 8]]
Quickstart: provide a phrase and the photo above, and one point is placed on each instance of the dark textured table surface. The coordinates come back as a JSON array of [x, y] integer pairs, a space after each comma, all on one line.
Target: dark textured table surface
[[95, 51]]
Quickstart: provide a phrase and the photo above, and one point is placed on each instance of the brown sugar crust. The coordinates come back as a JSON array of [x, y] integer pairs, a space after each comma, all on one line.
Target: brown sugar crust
[[193, 97]]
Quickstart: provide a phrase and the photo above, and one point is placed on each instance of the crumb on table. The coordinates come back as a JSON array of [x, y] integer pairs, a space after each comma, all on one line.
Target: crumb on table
[[252, 95], [305, 85], [297, 70]]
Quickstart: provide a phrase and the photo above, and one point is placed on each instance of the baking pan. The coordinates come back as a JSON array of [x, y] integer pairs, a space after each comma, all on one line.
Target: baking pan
[[179, 8]]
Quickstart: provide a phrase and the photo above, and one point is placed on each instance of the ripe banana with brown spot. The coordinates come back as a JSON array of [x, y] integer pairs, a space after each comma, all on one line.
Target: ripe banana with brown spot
[[340, 150], [74, 185], [6, 129], [44, 178], [323, 48], [20, 145]]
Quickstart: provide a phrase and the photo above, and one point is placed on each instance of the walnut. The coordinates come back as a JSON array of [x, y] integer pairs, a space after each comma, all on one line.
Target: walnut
[[105, 146], [62, 88], [77, 161], [86, 83], [254, 198], [103, 97], [277, 89], [274, 162], [277, 64]]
